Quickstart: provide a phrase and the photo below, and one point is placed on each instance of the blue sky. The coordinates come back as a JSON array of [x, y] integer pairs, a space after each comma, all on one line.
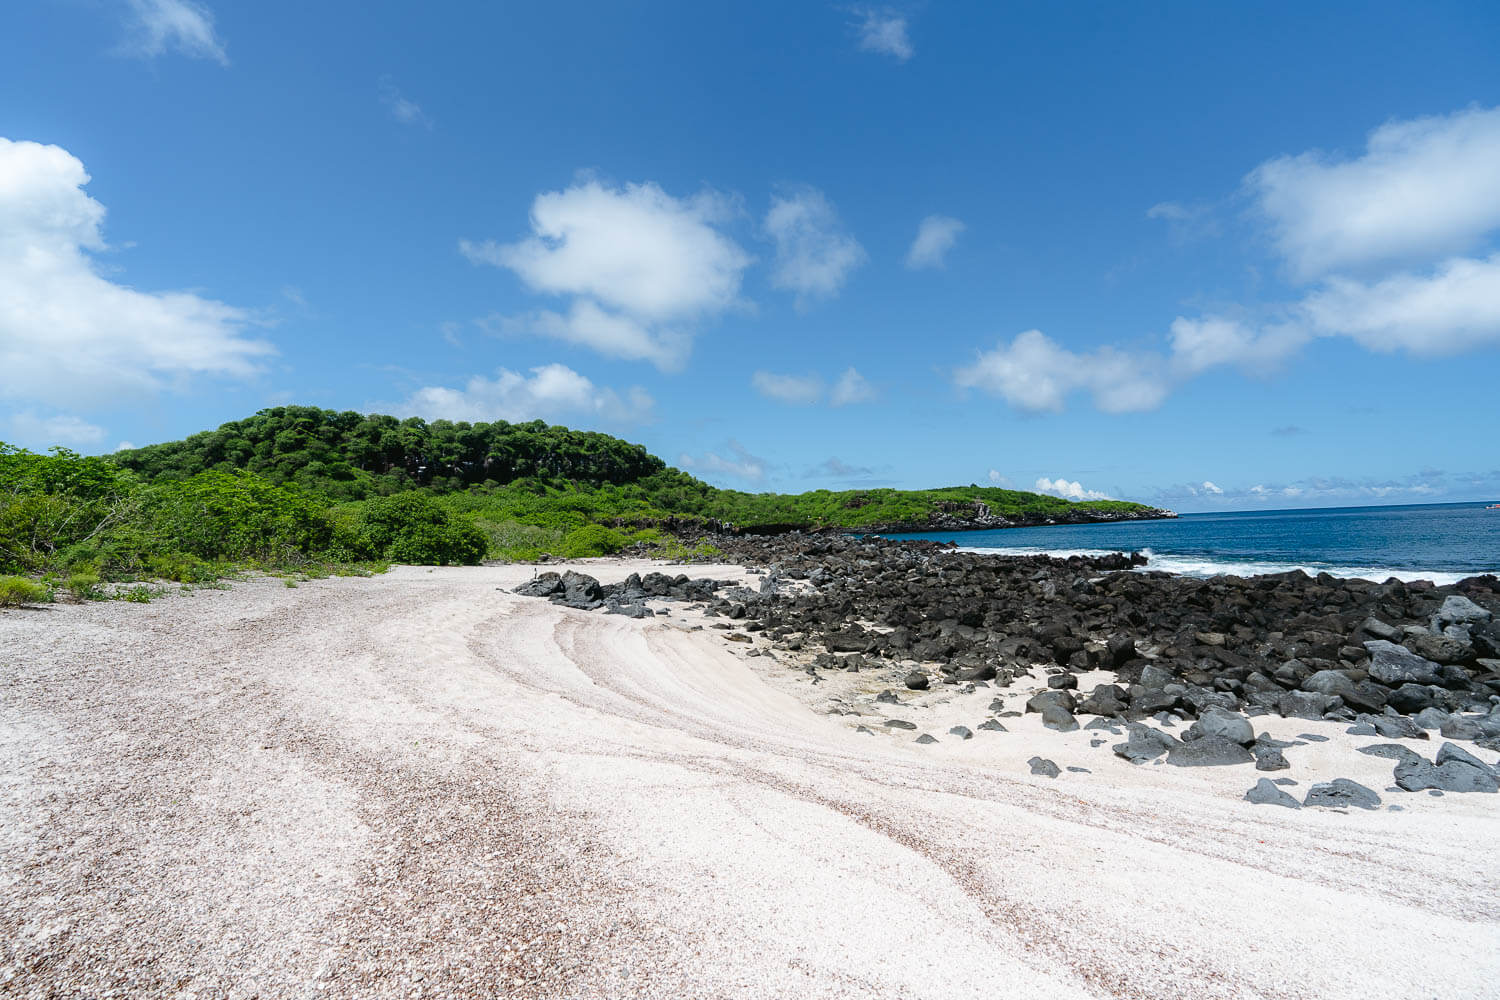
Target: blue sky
[[1192, 255]]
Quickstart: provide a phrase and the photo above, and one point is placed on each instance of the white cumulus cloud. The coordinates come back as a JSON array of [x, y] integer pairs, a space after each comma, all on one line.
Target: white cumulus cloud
[[1423, 187], [642, 267], [1074, 490], [799, 389], [1034, 373], [935, 237], [814, 255], [551, 392], [1453, 309], [885, 31], [69, 335], [182, 26]]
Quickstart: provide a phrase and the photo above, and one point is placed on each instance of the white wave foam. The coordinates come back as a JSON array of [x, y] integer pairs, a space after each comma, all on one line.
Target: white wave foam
[[1202, 566]]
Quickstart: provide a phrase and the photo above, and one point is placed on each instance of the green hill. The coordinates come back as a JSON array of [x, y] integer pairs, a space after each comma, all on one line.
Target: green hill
[[301, 487]]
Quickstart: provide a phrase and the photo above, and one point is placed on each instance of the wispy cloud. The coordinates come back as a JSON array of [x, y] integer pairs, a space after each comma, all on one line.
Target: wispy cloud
[[883, 30], [836, 468], [935, 237], [806, 389], [155, 27], [802, 390], [35, 431], [814, 254], [402, 108], [740, 464]]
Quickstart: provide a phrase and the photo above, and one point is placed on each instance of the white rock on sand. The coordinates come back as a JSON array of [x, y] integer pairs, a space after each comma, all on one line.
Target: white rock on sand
[[422, 785]]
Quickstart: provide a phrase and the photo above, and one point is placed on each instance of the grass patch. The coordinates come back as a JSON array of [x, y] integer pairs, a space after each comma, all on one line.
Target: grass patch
[[16, 591]]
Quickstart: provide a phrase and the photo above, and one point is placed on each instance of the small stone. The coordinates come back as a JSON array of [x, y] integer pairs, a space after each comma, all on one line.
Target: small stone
[[992, 726], [1044, 767], [1265, 793], [926, 738], [962, 732]]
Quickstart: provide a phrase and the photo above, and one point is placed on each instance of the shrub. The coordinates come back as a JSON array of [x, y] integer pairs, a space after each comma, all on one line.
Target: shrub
[[84, 585], [591, 540], [408, 528], [220, 515], [17, 590]]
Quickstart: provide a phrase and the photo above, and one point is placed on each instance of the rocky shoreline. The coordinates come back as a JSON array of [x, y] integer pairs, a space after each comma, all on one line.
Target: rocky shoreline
[[1180, 667]]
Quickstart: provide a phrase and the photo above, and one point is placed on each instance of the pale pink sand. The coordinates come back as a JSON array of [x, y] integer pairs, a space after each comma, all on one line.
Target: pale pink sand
[[421, 785]]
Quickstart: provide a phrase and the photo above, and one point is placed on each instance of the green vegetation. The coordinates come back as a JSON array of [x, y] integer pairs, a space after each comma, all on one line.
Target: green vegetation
[[304, 491], [17, 590]]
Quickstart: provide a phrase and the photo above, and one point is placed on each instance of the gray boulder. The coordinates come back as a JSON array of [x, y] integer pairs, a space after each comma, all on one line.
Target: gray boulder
[[1218, 722], [1393, 664], [541, 585], [1442, 649], [1105, 699], [1380, 630], [1267, 794], [1268, 758], [962, 732], [1306, 704], [1459, 610], [1341, 793], [1143, 744], [1059, 699], [1209, 751], [1153, 676], [1058, 718], [1397, 727], [916, 681], [1393, 751], [1448, 752], [1453, 776], [926, 738], [990, 725]]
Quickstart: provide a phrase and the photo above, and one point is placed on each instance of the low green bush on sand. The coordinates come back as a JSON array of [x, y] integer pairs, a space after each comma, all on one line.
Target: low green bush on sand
[[16, 591]]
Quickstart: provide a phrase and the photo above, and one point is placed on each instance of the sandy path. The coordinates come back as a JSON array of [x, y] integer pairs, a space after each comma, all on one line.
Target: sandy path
[[419, 785]]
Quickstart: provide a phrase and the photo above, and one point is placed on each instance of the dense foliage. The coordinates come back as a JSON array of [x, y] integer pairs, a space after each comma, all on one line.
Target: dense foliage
[[295, 485], [350, 456]]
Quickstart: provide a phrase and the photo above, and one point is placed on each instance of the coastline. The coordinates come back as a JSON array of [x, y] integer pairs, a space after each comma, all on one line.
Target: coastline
[[425, 784]]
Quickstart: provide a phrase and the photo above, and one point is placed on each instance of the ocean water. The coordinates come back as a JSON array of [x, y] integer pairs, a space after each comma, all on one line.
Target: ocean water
[[1439, 542]]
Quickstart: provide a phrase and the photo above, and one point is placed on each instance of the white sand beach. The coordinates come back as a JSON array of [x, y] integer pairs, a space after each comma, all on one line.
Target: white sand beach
[[420, 784]]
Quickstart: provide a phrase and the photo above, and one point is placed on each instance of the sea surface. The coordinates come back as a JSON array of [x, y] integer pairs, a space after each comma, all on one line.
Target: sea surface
[[1439, 542]]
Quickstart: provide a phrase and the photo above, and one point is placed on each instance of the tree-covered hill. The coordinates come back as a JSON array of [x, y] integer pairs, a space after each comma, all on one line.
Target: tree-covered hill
[[350, 456], [295, 488]]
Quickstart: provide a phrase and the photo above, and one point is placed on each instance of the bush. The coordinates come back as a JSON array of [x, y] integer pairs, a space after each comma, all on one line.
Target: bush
[[591, 540], [517, 542], [17, 590], [220, 515], [408, 528], [84, 585]]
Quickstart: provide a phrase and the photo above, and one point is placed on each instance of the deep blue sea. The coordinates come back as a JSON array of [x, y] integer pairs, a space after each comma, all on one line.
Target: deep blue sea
[[1438, 542]]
